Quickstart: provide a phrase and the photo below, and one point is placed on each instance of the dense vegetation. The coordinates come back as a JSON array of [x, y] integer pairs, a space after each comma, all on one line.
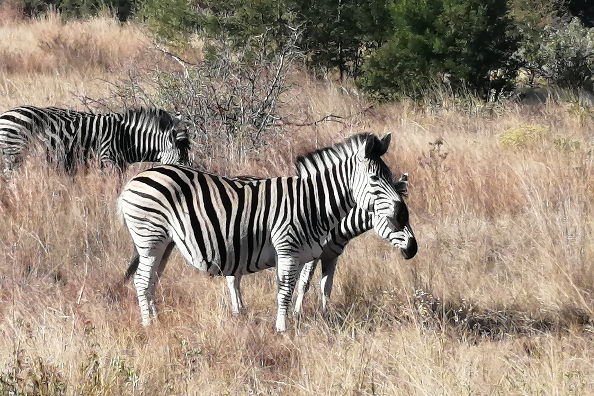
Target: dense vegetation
[[390, 47]]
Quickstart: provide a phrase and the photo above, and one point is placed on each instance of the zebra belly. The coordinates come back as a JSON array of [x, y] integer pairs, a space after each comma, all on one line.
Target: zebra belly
[[307, 255], [261, 258]]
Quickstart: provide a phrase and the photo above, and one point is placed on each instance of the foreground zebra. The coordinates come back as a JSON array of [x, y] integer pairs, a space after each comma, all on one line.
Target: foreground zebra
[[358, 221], [233, 227], [72, 136]]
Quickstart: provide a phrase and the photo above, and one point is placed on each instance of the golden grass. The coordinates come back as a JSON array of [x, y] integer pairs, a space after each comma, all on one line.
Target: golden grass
[[498, 300], [49, 46]]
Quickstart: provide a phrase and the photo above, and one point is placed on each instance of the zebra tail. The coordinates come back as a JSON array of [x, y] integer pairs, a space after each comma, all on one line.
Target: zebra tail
[[120, 211], [133, 266]]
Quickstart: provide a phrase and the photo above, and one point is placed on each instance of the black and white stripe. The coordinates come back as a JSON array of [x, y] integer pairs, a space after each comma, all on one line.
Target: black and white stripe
[[71, 136], [357, 222], [231, 226]]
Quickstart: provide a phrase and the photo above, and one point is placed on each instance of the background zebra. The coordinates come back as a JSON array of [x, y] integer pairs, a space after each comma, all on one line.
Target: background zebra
[[72, 136], [357, 222], [229, 226]]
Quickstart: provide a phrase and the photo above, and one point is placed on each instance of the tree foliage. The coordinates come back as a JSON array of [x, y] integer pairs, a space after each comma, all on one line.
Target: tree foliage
[[390, 47], [451, 40], [78, 8], [336, 33]]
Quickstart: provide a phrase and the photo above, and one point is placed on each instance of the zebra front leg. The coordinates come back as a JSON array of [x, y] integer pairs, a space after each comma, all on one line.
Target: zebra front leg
[[304, 283], [287, 270], [328, 269], [233, 283]]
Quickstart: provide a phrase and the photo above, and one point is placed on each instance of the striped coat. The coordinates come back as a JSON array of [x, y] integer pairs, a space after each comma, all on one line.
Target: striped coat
[[72, 137]]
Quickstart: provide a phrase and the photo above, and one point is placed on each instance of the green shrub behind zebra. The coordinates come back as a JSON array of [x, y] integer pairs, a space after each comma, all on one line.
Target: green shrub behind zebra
[[71, 138]]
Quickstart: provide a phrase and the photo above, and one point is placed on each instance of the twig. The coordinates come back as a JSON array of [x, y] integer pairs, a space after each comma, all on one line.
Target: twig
[[179, 60], [329, 117]]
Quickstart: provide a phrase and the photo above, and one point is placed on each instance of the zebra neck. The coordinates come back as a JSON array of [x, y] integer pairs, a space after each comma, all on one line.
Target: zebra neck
[[328, 200]]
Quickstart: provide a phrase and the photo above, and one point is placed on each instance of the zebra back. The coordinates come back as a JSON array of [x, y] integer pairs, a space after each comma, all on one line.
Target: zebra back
[[73, 136]]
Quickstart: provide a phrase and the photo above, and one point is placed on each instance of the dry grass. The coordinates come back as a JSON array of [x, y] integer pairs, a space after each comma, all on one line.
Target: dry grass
[[49, 46], [499, 299]]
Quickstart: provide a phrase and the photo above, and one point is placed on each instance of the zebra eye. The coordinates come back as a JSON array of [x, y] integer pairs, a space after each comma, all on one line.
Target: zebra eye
[[374, 178]]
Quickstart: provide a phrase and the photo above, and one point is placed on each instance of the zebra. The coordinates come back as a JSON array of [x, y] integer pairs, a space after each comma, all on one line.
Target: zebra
[[144, 134], [227, 226], [356, 222]]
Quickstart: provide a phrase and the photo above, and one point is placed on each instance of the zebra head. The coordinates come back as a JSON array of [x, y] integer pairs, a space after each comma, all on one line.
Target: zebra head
[[177, 143], [397, 230], [373, 188]]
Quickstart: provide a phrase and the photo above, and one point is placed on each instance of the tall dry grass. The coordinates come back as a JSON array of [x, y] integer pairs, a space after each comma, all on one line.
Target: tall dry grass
[[44, 60], [498, 300]]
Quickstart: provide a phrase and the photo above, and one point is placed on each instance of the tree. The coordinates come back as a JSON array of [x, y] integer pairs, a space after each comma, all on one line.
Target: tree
[[336, 32], [465, 40]]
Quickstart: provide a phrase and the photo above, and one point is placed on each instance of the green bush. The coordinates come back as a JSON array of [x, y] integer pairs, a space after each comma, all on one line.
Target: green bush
[[565, 55], [460, 42]]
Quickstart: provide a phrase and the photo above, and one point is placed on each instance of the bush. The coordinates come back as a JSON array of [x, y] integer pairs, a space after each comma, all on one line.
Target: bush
[[461, 42], [229, 100], [565, 56], [524, 136]]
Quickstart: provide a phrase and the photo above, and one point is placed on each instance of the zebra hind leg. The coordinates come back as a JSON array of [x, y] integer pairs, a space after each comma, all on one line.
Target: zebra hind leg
[[155, 276], [150, 263]]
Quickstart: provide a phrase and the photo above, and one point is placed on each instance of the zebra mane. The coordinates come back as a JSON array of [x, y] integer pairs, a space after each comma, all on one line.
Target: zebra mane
[[330, 156]]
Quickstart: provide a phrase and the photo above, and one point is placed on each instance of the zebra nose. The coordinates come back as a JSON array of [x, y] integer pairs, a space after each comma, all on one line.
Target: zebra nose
[[411, 249]]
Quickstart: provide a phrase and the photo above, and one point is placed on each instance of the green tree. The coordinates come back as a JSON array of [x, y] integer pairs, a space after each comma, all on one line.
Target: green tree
[[172, 20], [336, 32], [236, 22], [465, 40]]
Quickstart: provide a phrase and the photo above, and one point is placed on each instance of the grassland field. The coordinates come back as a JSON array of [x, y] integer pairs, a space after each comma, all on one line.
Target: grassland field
[[498, 301]]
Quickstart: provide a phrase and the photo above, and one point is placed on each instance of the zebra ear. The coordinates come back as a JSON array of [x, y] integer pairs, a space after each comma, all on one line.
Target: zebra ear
[[402, 184], [375, 148], [384, 144]]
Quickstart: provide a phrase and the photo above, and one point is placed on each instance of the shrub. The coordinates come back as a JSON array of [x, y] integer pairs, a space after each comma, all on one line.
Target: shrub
[[229, 100], [524, 136], [458, 41], [565, 55]]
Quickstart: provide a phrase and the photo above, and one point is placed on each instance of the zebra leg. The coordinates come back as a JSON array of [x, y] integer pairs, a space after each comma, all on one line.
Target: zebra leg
[[155, 276], [328, 269], [287, 271], [144, 280], [304, 283], [234, 283]]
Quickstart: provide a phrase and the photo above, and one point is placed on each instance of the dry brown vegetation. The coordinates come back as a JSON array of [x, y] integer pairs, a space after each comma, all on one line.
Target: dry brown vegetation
[[499, 299]]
